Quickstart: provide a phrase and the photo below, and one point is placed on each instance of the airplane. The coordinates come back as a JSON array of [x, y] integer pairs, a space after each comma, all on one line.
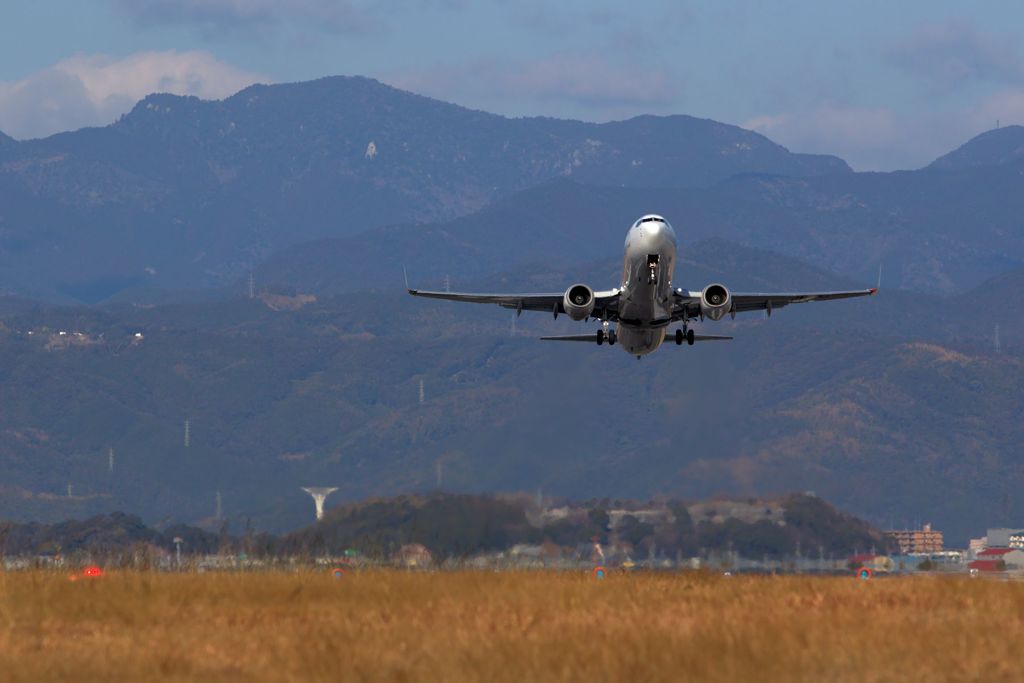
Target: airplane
[[645, 304]]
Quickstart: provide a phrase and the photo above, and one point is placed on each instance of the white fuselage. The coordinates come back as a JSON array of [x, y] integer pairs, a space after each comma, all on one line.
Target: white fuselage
[[645, 300]]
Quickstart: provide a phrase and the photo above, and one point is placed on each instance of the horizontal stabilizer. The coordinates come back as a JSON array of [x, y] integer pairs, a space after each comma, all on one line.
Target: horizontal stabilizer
[[592, 338]]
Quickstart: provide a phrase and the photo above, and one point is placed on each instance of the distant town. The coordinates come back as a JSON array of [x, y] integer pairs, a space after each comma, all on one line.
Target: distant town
[[798, 533]]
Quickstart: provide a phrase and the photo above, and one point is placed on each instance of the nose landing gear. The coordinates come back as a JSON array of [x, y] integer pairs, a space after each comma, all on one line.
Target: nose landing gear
[[652, 268]]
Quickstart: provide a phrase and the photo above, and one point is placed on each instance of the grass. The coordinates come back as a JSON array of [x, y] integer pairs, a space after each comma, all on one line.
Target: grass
[[537, 626]]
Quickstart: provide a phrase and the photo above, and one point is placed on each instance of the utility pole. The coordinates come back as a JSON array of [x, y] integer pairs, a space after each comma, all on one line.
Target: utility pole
[[252, 285], [187, 430], [110, 460], [422, 394], [997, 342]]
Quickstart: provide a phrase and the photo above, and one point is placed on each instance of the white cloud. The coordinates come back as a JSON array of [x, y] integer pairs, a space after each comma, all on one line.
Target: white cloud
[[882, 139], [91, 90]]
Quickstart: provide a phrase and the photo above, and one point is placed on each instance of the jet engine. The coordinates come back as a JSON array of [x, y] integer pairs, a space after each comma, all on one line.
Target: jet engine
[[578, 302], [715, 301]]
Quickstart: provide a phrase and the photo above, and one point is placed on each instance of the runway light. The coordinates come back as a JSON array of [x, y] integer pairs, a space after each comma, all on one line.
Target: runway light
[[599, 573], [92, 571]]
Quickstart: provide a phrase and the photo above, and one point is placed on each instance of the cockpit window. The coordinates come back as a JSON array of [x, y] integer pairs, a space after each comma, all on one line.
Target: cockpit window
[[649, 219]]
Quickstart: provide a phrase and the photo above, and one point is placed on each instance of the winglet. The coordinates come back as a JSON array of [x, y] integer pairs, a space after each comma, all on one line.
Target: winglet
[[878, 285], [406, 274]]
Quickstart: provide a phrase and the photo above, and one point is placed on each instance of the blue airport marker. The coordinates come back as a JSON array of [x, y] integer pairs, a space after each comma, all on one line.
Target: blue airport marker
[[599, 573], [864, 573]]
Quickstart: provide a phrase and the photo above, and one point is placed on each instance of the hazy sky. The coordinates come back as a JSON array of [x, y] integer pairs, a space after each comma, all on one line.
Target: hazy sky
[[882, 84]]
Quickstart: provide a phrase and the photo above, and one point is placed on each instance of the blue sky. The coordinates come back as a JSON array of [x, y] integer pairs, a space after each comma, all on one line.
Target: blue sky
[[883, 84]]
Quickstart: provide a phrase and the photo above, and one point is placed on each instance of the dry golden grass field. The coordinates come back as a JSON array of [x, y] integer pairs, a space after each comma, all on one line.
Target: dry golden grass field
[[528, 626]]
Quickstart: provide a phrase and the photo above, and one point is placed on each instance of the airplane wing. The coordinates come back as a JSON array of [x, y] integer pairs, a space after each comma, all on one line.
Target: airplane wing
[[687, 304], [606, 304]]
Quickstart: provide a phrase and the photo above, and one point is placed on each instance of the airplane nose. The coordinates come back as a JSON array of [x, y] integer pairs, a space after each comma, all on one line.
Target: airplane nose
[[660, 232]]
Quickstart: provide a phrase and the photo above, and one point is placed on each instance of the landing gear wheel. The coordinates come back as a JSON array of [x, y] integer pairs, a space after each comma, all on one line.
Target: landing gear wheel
[[679, 337], [611, 338], [600, 337], [689, 337]]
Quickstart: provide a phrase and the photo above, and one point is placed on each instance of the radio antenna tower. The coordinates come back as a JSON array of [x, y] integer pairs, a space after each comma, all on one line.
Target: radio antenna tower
[[252, 285], [423, 396], [187, 431], [997, 342], [319, 494], [110, 460]]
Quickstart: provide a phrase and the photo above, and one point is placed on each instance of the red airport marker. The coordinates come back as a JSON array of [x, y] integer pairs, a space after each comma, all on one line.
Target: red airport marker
[[338, 573], [599, 572], [864, 573]]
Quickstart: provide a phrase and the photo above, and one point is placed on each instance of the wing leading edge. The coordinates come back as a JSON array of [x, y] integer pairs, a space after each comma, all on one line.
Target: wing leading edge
[[605, 303]]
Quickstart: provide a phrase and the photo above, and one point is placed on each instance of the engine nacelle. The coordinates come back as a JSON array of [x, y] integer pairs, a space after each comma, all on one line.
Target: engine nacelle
[[715, 301], [578, 302]]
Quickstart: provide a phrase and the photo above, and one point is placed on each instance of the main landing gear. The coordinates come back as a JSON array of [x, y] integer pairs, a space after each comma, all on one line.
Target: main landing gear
[[604, 334], [684, 335]]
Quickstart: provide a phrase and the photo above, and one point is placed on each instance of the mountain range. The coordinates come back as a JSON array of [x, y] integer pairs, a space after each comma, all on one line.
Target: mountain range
[[183, 193], [899, 408]]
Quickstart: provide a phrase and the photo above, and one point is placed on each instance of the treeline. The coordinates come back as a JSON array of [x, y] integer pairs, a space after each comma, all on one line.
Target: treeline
[[461, 526], [104, 536]]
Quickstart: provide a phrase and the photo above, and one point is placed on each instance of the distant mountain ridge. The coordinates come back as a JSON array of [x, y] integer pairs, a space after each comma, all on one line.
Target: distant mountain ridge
[[185, 193], [991, 148], [933, 231]]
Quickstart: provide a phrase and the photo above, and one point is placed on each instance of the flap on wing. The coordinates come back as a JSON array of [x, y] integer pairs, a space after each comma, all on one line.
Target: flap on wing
[[605, 303]]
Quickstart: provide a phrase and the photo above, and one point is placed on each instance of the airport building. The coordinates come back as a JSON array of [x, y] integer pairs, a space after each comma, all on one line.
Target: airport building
[[917, 541], [1005, 538], [999, 559]]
